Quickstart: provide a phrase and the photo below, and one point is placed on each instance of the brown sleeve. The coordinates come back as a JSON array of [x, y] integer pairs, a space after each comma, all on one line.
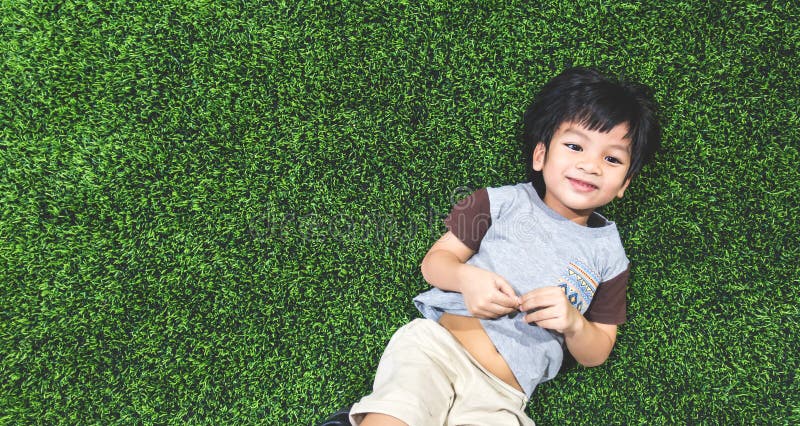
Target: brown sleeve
[[470, 218], [608, 304]]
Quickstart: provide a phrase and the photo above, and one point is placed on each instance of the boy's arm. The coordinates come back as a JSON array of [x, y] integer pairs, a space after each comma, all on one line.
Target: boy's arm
[[486, 294], [589, 342]]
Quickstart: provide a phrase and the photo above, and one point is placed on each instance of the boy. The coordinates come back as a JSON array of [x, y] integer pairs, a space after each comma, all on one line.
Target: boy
[[523, 269]]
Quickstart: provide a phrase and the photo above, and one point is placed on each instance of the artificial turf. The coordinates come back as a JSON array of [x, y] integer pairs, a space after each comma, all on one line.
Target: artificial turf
[[214, 212]]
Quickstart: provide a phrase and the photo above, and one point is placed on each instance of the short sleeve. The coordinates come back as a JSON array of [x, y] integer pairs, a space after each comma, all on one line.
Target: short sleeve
[[608, 305], [470, 218]]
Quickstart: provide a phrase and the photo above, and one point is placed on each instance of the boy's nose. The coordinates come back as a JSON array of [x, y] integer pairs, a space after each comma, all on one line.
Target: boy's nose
[[588, 166]]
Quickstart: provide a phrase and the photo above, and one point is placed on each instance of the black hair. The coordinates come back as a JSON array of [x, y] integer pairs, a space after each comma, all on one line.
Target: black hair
[[585, 96]]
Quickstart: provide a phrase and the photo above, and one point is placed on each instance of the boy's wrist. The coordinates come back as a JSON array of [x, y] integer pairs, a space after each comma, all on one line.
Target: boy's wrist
[[578, 326], [461, 272]]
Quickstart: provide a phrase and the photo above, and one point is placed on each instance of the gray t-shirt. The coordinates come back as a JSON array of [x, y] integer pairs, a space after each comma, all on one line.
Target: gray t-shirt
[[532, 246]]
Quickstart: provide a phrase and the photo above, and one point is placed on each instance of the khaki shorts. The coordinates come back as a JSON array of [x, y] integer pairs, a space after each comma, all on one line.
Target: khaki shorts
[[425, 377]]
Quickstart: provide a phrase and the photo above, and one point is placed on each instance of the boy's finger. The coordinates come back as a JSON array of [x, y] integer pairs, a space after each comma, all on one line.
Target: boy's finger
[[494, 310], [499, 310], [506, 289], [528, 301], [503, 299], [535, 301], [540, 315], [540, 298]]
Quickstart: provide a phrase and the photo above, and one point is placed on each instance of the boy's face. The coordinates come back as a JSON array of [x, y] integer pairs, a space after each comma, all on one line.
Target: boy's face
[[583, 169]]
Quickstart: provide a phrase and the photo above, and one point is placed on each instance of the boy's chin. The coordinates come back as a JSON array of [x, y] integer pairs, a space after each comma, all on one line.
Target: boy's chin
[[584, 206]]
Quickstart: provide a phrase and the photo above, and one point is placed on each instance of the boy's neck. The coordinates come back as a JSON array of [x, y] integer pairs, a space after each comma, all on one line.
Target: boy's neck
[[581, 217], [588, 219]]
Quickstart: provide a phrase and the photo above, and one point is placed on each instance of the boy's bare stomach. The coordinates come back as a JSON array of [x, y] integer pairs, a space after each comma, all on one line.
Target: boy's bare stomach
[[469, 332]]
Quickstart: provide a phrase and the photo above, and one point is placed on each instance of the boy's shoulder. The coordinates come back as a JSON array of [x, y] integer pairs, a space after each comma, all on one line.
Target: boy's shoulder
[[509, 194]]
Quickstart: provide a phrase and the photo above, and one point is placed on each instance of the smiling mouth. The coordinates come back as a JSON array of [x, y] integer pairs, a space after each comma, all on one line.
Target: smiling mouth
[[582, 185]]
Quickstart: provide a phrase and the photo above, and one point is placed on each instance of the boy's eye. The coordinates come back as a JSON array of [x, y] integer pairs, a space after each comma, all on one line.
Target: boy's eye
[[613, 160], [573, 147]]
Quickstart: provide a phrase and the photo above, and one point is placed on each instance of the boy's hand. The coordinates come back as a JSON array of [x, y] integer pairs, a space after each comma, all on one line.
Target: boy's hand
[[549, 308], [486, 294]]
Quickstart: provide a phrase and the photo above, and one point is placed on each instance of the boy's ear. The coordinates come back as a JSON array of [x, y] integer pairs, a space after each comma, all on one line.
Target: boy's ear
[[539, 154], [624, 187]]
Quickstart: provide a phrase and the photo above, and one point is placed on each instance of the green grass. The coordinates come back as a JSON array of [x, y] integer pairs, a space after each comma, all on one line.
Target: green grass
[[214, 214]]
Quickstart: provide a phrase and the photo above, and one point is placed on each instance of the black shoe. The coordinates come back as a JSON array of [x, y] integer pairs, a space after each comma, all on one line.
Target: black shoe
[[339, 418]]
